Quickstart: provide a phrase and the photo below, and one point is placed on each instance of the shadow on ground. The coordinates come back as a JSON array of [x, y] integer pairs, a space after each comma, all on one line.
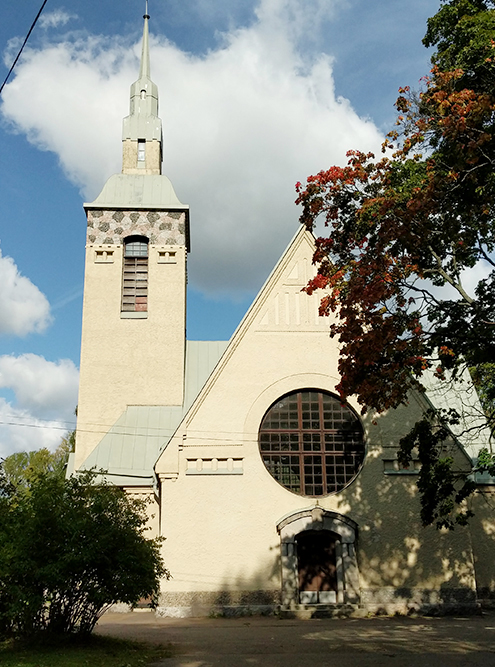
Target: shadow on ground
[[270, 642]]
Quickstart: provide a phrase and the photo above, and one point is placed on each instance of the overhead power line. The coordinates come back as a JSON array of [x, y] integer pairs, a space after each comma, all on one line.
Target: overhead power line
[[224, 437], [23, 45]]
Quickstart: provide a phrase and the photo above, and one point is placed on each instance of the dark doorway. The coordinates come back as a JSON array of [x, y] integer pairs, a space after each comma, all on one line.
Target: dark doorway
[[317, 567]]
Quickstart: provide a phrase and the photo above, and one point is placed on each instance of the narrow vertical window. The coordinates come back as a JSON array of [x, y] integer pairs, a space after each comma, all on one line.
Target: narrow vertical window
[[135, 276], [141, 150]]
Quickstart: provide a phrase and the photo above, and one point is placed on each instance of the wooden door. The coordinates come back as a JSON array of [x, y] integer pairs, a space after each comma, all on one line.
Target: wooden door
[[316, 559]]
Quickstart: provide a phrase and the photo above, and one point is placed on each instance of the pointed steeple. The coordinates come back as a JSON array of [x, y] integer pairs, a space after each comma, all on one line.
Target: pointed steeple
[[142, 129], [145, 54]]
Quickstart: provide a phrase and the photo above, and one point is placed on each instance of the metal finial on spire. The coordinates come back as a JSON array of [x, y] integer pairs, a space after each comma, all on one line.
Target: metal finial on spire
[[145, 56]]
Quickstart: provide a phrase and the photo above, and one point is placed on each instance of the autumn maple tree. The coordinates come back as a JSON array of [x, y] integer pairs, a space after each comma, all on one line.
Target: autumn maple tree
[[404, 230]]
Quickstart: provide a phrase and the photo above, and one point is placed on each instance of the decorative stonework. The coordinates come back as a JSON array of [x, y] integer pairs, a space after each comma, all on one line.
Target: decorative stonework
[[218, 603], [112, 227], [445, 600]]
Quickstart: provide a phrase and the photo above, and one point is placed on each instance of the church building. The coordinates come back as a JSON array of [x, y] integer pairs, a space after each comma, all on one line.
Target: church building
[[270, 493]]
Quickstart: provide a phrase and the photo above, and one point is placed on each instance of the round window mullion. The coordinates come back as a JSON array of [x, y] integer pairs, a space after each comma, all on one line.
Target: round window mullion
[[325, 460], [322, 442]]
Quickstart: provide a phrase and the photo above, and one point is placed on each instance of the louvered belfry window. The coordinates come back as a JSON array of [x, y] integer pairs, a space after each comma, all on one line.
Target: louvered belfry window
[[311, 443], [135, 278]]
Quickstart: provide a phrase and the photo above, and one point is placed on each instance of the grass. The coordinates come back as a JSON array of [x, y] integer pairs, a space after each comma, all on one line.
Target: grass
[[96, 651]]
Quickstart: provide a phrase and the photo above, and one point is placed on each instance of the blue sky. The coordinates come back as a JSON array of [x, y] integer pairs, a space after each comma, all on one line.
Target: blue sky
[[254, 96]]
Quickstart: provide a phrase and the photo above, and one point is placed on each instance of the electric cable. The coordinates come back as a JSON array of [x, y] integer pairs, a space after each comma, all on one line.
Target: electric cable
[[23, 45]]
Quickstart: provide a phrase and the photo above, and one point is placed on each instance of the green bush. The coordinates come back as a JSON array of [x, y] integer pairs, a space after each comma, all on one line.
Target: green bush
[[68, 550]]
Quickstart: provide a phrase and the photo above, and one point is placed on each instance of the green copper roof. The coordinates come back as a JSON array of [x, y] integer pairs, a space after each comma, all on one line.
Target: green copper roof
[[138, 191], [128, 452]]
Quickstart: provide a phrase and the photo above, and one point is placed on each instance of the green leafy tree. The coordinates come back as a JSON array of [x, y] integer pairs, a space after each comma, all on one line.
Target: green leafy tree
[[403, 231], [68, 550], [22, 468]]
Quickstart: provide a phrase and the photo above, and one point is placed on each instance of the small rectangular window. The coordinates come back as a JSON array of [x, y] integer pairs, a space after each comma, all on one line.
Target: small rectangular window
[[141, 150]]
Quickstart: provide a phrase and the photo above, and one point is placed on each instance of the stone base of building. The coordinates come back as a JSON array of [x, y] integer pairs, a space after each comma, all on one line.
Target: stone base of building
[[222, 603], [378, 601], [308, 611], [389, 601], [486, 598], [217, 611]]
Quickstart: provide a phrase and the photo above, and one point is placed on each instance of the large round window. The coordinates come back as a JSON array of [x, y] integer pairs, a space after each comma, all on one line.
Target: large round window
[[311, 443]]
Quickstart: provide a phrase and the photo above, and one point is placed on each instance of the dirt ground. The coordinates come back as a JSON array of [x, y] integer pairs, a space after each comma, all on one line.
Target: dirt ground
[[271, 642]]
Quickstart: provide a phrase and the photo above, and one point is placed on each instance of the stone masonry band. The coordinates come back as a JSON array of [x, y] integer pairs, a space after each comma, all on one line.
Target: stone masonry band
[[160, 227]]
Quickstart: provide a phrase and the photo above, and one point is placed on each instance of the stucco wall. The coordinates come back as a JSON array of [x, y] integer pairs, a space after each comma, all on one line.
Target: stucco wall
[[127, 361], [221, 527], [483, 538]]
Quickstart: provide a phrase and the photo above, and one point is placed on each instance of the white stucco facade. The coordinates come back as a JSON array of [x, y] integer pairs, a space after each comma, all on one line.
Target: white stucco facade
[[179, 421]]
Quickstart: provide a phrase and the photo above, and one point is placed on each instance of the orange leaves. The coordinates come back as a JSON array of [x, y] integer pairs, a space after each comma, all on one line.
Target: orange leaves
[[318, 282], [396, 221]]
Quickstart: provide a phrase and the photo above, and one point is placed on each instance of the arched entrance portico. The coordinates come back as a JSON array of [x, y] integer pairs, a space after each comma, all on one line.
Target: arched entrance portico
[[318, 556]]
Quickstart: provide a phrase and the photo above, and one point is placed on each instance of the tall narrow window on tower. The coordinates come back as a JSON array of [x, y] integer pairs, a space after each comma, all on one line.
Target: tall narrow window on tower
[[141, 150], [135, 275]]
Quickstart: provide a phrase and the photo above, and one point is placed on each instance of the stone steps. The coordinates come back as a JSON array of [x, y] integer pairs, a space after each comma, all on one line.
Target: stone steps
[[307, 611]]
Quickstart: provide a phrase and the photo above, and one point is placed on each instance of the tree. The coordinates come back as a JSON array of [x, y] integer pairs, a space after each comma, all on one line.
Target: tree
[[22, 468], [404, 229], [68, 550]]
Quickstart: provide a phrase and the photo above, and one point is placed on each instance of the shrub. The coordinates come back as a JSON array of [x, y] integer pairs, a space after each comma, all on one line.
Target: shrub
[[69, 549]]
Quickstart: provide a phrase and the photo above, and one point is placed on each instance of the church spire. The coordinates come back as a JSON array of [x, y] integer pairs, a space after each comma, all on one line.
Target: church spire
[[142, 129], [145, 54]]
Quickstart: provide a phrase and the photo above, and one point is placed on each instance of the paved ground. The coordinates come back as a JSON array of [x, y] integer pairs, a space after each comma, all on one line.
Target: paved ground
[[270, 642]]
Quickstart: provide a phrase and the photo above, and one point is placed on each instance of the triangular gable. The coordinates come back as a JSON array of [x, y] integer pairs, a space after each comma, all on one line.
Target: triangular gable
[[288, 308], [279, 306]]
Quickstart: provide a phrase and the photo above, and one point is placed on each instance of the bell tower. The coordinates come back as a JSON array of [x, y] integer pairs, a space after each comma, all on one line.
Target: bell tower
[[134, 310]]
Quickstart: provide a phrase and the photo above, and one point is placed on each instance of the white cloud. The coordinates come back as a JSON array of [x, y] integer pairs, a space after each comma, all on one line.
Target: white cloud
[[298, 19], [56, 18], [45, 398], [40, 386], [20, 431], [23, 308], [472, 277], [241, 125]]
